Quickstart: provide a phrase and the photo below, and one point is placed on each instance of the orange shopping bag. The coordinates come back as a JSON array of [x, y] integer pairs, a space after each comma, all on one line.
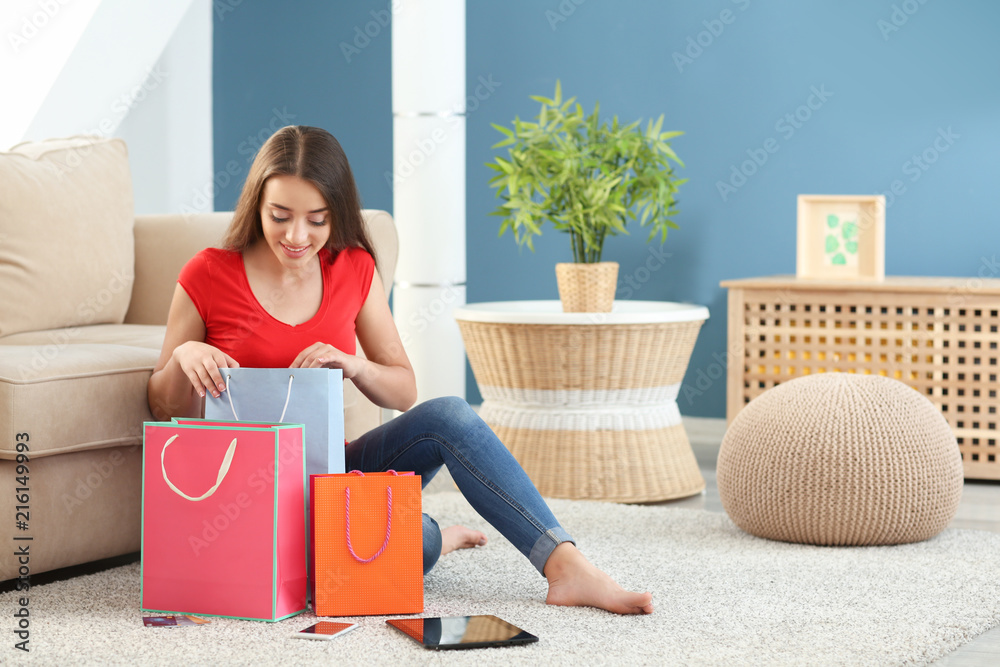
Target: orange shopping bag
[[367, 541]]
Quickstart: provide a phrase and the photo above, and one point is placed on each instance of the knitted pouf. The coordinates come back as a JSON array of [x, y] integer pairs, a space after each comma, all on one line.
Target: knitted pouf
[[840, 459]]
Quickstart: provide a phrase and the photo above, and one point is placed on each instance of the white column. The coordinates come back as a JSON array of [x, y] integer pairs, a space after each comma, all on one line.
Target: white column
[[428, 105]]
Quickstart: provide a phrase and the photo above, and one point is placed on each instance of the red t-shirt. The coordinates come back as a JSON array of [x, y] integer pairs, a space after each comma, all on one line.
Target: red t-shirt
[[237, 324]]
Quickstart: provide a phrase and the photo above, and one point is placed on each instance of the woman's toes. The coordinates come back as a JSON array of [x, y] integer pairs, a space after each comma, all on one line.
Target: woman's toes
[[460, 537], [575, 582]]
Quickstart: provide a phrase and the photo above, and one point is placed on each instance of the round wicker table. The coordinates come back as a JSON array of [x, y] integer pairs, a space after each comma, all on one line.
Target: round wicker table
[[587, 402]]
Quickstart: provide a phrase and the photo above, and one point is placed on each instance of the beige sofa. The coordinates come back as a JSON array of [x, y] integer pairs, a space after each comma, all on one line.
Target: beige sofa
[[85, 288]]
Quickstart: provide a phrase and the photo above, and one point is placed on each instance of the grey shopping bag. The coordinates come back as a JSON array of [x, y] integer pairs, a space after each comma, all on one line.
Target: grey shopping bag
[[310, 396]]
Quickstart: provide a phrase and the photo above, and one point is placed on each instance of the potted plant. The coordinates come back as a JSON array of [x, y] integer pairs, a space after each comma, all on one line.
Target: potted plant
[[589, 179]]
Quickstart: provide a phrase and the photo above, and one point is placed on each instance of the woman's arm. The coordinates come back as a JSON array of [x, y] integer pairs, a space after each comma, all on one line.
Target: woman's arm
[[386, 376], [187, 367]]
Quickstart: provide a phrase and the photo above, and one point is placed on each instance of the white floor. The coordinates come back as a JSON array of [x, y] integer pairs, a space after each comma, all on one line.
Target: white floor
[[979, 510]]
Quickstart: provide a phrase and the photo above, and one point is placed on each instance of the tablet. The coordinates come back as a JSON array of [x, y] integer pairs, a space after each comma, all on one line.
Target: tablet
[[458, 632]]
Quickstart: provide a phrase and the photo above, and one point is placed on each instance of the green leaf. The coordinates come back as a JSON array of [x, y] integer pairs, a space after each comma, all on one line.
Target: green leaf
[[569, 170], [503, 130], [659, 124]]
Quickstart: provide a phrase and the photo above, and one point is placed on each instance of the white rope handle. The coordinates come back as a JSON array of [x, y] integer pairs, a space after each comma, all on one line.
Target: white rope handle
[[226, 462], [288, 396]]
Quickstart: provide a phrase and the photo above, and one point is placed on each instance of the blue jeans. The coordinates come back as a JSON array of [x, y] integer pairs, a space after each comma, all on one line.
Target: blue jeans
[[446, 431]]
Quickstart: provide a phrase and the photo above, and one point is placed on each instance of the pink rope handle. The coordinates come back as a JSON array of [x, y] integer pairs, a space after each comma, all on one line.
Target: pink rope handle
[[388, 523]]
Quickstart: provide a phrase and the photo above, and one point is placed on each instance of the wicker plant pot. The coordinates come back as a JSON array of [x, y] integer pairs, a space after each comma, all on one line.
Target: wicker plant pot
[[587, 288]]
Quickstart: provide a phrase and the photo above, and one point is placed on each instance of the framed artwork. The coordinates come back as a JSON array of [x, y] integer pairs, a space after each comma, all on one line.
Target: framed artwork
[[841, 237]]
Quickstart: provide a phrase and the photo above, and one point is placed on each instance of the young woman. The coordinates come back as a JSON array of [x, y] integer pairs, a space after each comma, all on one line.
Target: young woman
[[294, 285]]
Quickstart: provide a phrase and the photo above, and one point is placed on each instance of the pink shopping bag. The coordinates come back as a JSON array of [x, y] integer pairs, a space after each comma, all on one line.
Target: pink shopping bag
[[224, 519]]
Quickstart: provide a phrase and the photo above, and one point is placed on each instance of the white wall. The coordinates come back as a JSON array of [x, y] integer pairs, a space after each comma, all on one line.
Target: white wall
[[169, 131], [38, 37], [138, 69]]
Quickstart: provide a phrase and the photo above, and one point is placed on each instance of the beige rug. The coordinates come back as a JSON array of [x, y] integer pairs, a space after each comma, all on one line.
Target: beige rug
[[723, 598]]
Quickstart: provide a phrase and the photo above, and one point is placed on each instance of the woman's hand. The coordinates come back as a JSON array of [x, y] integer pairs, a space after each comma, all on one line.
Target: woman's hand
[[201, 362], [321, 355]]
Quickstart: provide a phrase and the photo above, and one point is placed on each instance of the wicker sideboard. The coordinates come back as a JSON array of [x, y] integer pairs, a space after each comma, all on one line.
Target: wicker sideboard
[[938, 335]]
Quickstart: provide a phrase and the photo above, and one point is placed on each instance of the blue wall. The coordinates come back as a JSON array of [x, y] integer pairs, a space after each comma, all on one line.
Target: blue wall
[[902, 91]]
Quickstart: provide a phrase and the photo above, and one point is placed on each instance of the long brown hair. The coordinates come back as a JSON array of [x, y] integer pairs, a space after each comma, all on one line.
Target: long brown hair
[[314, 155]]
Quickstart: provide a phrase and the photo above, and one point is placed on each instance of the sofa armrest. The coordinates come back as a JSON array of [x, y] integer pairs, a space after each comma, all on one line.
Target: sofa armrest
[[163, 245], [382, 233], [360, 414]]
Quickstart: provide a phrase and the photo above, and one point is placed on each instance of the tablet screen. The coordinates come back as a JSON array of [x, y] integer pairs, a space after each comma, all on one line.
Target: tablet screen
[[456, 632]]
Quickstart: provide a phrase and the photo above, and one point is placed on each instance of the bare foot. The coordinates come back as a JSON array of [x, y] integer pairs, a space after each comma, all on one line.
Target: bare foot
[[460, 537], [575, 582]]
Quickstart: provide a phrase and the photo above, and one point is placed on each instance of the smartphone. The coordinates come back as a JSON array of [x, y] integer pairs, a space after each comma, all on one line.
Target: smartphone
[[325, 630]]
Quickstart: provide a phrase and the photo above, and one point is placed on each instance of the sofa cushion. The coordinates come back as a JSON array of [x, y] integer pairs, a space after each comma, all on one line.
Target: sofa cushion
[[163, 245], [66, 246], [73, 397], [134, 335]]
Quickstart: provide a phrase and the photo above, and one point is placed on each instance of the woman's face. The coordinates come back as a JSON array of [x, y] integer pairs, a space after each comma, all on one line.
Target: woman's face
[[295, 219]]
